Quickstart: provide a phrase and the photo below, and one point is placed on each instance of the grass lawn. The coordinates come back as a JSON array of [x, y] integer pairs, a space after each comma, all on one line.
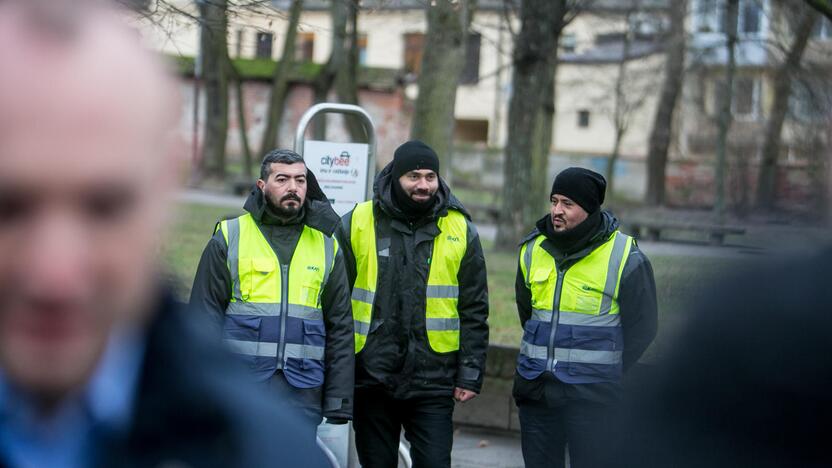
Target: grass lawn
[[678, 279]]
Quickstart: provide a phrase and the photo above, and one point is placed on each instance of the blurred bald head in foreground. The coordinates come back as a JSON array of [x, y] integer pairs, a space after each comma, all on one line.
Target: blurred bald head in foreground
[[85, 171], [98, 366]]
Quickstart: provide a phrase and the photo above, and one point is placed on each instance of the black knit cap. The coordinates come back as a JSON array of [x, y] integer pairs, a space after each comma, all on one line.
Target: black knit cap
[[584, 187], [412, 156]]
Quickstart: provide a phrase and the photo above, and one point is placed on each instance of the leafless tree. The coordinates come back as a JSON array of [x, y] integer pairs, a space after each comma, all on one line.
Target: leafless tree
[[443, 60], [801, 18], [530, 114], [725, 117], [674, 75], [280, 80], [342, 67]]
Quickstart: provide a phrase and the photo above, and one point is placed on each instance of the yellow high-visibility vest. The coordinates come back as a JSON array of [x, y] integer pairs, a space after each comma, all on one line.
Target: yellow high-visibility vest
[[575, 329], [442, 289], [274, 318]]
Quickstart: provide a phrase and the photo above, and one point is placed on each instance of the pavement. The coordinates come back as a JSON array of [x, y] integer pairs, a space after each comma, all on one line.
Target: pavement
[[475, 448]]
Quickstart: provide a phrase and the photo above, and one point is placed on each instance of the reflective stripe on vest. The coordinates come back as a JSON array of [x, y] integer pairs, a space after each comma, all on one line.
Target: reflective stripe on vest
[[275, 312], [575, 329], [442, 289]]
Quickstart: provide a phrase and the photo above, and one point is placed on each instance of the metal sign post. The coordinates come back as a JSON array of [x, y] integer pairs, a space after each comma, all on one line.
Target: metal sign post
[[345, 171]]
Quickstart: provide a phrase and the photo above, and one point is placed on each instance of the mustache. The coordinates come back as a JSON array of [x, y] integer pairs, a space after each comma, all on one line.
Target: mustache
[[290, 196], [421, 192]]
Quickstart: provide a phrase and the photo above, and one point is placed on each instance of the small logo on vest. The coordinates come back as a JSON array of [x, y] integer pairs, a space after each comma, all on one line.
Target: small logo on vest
[[453, 238], [312, 268]]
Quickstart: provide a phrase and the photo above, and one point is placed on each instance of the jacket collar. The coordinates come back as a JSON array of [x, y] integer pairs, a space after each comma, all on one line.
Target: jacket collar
[[609, 224]]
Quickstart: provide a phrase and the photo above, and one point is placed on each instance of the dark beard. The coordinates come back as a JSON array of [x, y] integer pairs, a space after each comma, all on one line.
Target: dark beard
[[280, 211], [411, 208]]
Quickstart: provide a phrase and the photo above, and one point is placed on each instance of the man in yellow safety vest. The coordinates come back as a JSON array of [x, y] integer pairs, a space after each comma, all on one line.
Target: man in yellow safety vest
[[587, 302], [420, 304], [274, 279]]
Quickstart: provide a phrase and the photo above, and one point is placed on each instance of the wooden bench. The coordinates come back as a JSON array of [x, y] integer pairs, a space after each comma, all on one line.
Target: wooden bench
[[653, 228]]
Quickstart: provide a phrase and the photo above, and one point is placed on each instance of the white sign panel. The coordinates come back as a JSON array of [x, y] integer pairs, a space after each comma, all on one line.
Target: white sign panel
[[341, 170]]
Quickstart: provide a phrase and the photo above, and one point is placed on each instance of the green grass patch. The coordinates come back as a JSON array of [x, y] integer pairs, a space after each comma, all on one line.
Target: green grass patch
[[185, 241]]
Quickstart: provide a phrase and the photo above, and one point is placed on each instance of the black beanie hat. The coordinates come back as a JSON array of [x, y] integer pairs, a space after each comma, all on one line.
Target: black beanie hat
[[584, 187], [414, 155]]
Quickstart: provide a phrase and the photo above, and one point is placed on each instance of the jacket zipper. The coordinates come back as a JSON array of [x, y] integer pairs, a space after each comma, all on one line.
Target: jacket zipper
[[284, 310], [550, 364]]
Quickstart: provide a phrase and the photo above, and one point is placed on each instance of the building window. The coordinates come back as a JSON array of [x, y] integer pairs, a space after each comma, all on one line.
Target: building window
[[709, 16], [264, 45], [583, 118], [745, 102], [414, 44], [751, 15], [471, 68], [362, 49], [471, 131], [568, 43], [822, 29], [305, 47]]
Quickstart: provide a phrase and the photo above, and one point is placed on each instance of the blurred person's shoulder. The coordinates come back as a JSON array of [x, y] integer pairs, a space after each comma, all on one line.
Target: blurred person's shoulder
[[196, 406], [744, 381]]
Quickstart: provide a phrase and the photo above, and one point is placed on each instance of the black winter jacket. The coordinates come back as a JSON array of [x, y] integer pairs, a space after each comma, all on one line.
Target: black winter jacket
[[196, 407], [637, 308], [211, 294], [397, 355]]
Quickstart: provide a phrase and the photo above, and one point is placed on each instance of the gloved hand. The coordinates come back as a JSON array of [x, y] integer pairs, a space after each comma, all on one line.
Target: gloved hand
[[337, 421]]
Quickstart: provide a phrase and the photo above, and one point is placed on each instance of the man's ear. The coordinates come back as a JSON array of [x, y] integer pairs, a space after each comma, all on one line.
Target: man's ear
[[261, 184]]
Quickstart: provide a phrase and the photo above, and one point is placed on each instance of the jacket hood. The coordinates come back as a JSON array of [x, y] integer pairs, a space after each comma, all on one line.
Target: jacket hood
[[319, 213], [383, 197], [609, 224]]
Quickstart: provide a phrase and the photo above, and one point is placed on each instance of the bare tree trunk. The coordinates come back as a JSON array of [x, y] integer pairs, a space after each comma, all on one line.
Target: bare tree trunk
[[620, 111], [337, 58], [543, 137], [346, 83], [248, 172], [534, 52], [280, 80], [674, 74], [214, 50], [725, 117], [767, 179], [442, 64]]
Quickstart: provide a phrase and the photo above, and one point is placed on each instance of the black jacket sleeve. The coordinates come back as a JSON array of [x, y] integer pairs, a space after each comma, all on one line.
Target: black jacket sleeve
[[523, 297], [343, 236], [340, 343], [211, 291], [473, 315], [637, 306]]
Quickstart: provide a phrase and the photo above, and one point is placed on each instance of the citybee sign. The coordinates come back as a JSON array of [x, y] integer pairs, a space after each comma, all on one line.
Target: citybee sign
[[342, 160], [341, 169]]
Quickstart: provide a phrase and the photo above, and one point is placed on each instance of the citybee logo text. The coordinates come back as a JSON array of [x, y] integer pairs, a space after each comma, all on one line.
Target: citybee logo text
[[343, 160]]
